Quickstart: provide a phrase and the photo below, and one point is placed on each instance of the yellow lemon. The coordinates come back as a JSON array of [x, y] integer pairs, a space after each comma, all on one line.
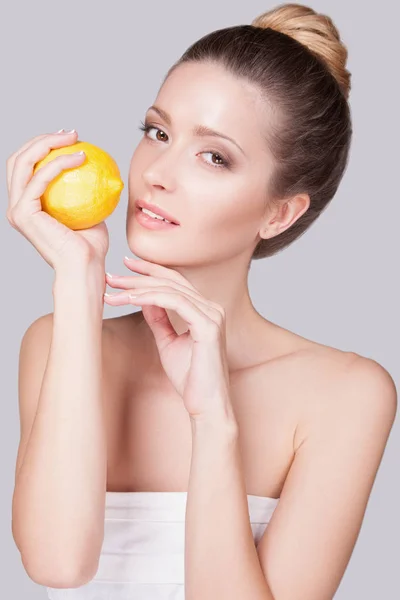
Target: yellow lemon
[[85, 195]]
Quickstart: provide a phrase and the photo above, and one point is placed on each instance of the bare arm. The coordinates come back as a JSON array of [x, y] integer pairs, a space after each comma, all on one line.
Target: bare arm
[[309, 541], [304, 551], [59, 496]]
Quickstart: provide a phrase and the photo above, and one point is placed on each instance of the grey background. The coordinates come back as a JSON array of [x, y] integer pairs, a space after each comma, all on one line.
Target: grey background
[[96, 67]]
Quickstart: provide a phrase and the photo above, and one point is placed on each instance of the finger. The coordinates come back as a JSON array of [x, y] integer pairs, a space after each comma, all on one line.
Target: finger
[[122, 297], [149, 268], [39, 182], [160, 324], [11, 159], [21, 170], [143, 281], [204, 322]]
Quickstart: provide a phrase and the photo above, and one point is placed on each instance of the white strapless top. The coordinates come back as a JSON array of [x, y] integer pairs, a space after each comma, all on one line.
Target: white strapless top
[[142, 555]]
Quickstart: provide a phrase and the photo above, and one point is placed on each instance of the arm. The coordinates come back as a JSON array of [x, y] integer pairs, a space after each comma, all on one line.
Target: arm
[[307, 545], [59, 496]]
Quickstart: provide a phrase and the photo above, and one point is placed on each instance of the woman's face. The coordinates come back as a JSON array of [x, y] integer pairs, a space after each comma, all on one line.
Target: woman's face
[[215, 189]]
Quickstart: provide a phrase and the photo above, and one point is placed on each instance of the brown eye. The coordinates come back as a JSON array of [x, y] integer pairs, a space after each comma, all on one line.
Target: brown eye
[[224, 162], [145, 127], [161, 132]]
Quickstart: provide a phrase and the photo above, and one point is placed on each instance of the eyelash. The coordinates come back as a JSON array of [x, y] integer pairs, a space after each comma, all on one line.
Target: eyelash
[[145, 127]]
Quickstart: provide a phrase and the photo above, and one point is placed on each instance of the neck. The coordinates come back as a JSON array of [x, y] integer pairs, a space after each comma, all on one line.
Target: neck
[[227, 285]]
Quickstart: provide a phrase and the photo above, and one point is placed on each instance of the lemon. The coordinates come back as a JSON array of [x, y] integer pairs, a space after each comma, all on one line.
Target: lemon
[[85, 195]]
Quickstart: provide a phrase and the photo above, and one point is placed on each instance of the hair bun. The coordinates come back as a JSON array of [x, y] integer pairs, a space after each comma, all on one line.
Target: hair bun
[[315, 31]]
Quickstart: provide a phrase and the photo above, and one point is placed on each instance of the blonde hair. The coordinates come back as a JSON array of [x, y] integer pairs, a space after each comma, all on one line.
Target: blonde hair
[[314, 30]]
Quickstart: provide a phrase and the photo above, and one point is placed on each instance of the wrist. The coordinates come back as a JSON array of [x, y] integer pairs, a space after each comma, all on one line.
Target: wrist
[[223, 428], [90, 279]]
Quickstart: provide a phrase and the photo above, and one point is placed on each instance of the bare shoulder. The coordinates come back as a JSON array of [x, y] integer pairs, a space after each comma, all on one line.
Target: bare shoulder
[[348, 407], [349, 391]]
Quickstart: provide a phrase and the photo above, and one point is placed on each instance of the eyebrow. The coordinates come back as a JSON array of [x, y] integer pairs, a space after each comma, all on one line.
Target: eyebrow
[[198, 130]]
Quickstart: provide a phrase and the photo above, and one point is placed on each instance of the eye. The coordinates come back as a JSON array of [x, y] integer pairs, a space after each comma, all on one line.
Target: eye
[[147, 127], [226, 164]]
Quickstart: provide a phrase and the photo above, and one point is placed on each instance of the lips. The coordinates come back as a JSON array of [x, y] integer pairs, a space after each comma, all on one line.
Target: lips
[[157, 210]]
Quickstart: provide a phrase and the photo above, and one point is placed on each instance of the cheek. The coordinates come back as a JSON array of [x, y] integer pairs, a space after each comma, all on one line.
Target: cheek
[[231, 211]]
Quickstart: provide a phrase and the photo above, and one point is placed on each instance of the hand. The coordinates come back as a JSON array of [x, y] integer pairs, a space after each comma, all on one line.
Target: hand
[[55, 242], [195, 361]]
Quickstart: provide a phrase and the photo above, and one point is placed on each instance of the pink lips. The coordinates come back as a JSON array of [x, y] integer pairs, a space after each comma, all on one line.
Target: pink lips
[[157, 210], [150, 222]]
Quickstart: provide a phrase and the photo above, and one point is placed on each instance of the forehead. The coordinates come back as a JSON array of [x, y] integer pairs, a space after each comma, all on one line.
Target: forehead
[[207, 94]]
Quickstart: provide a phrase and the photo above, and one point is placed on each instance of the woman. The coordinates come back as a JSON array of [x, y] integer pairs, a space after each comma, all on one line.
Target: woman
[[193, 449]]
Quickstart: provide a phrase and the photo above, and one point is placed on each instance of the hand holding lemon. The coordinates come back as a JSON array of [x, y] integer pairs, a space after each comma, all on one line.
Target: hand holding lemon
[[60, 205], [84, 195]]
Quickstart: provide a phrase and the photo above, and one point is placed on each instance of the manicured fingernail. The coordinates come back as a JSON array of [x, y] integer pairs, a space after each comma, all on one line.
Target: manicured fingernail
[[109, 275], [71, 131], [60, 131]]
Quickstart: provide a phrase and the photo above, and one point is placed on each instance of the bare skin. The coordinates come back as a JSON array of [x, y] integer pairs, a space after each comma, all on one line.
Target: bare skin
[[149, 433], [224, 211], [312, 420]]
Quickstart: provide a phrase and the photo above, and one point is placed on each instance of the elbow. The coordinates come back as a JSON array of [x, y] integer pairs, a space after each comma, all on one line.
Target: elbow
[[56, 567], [66, 575]]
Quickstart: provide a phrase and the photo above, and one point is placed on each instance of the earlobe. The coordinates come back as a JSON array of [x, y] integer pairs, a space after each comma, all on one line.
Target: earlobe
[[266, 233]]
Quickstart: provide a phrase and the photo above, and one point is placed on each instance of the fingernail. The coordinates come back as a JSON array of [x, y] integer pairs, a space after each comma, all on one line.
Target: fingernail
[[60, 131], [109, 275], [71, 131]]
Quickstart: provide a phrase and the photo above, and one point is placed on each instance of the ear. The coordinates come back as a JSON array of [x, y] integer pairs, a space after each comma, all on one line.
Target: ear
[[283, 214]]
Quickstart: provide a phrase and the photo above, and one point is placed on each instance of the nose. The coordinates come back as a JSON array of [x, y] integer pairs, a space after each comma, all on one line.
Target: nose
[[153, 179], [158, 173], [161, 171]]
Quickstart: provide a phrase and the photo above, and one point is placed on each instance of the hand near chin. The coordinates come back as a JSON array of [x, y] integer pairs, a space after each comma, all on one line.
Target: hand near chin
[[195, 361]]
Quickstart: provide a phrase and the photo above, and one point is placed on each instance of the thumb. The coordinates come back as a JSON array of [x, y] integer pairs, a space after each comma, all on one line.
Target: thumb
[[159, 323]]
